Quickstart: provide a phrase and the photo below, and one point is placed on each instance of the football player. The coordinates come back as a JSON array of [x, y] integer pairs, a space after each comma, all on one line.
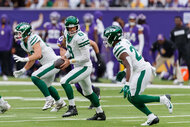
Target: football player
[[134, 33], [61, 43], [4, 106], [37, 49], [53, 30], [77, 44], [138, 73]]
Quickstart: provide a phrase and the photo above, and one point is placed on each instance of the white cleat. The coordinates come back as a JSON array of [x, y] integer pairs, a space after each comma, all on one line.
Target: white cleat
[[59, 106], [48, 104], [4, 106], [166, 100], [152, 119]]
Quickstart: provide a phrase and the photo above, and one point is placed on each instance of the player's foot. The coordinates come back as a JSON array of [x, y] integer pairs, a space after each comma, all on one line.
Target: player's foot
[[166, 99], [98, 116], [72, 111], [48, 104], [91, 106], [4, 106], [59, 106], [152, 119]]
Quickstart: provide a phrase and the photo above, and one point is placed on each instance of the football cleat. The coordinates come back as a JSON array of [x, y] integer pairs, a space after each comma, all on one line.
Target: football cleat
[[59, 106], [166, 99], [4, 106], [152, 119], [98, 116], [48, 104], [72, 111]]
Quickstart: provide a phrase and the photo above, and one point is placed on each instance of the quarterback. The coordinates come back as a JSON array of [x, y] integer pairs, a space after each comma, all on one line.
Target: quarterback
[[138, 73], [77, 44], [37, 49]]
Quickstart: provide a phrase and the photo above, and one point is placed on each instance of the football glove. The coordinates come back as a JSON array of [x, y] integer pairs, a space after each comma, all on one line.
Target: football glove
[[125, 91], [18, 58], [120, 75], [99, 59], [19, 72]]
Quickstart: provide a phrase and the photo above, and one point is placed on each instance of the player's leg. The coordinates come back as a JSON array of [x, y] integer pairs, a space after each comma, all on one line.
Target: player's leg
[[96, 90], [37, 76], [138, 100], [88, 92], [4, 106], [60, 103], [73, 76]]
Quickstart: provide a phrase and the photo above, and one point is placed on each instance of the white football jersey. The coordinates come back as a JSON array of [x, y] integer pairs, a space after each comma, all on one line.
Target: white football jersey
[[137, 60], [75, 43], [48, 54]]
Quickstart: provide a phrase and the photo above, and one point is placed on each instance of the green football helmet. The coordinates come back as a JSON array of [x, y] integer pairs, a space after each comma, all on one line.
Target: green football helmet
[[71, 22], [22, 30], [112, 34]]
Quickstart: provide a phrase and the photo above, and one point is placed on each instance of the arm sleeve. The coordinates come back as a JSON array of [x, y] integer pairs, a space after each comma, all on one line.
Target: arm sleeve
[[141, 43]]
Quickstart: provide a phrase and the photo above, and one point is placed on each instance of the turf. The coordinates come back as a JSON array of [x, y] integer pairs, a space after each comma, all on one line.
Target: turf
[[27, 101]]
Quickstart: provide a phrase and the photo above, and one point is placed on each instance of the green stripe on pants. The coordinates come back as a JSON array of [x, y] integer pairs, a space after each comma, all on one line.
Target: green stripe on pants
[[76, 75], [139, 82], [46, 71]]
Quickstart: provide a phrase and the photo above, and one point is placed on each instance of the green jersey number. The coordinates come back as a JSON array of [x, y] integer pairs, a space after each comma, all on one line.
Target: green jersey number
[[137, 55], [70, 51], [80, 34]]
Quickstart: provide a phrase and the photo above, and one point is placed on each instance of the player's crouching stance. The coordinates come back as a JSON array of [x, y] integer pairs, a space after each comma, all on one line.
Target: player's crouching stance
[[4, 106], [44, 76], [78, 54], [138, 73]]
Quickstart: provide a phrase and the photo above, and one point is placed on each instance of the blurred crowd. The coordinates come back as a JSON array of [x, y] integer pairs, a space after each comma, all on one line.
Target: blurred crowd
[[96, 3]]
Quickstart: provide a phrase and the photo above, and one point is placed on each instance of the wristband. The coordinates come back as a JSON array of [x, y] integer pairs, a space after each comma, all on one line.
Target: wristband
[[72, 61], [127, 83]]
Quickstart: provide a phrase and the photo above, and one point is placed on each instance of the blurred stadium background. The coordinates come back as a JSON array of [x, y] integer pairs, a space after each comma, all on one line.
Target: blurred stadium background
[[25, 98]]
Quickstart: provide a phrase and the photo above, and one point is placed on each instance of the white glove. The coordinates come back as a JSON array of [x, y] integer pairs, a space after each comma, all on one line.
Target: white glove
[[153, 71], [18, 58], [19, 72]]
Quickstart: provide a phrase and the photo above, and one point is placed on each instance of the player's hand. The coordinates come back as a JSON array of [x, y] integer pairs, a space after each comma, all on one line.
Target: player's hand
[[120, 75], [65, 64], [125, 90], [18, 58], [19, 73]]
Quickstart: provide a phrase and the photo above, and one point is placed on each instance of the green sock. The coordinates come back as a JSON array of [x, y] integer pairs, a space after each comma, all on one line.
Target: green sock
[[41, 85], [69, 91], [147, 99], [0, 96], [139, 100], [54, 93], [94, 99]]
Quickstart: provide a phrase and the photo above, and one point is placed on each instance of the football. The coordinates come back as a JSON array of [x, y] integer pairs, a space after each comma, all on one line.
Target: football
[[58, 63]]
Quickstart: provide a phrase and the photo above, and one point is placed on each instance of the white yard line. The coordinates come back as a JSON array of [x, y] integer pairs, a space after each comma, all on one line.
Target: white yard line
[[180, 122], [15, 83]]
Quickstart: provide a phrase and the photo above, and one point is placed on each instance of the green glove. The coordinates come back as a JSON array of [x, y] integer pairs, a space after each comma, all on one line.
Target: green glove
[[125, 91], [120, 75]]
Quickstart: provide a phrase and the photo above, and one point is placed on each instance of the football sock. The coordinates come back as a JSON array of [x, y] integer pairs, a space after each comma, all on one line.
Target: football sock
[[69, 91], [41, 85], [94, 99], [72, 102], [54, 93], [0, 96], [139, 100], [48, 98], [99, 109]]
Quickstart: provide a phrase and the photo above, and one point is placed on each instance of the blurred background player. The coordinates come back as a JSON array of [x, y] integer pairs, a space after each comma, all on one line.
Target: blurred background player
[[37, 49], [179, 37], [4, 106], [146, 32], [53, 30], [134, 32], [138, 73], [166, 52], [6, 40]]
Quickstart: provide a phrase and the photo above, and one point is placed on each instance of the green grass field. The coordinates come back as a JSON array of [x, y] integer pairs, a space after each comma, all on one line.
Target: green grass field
[[27, 101]]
